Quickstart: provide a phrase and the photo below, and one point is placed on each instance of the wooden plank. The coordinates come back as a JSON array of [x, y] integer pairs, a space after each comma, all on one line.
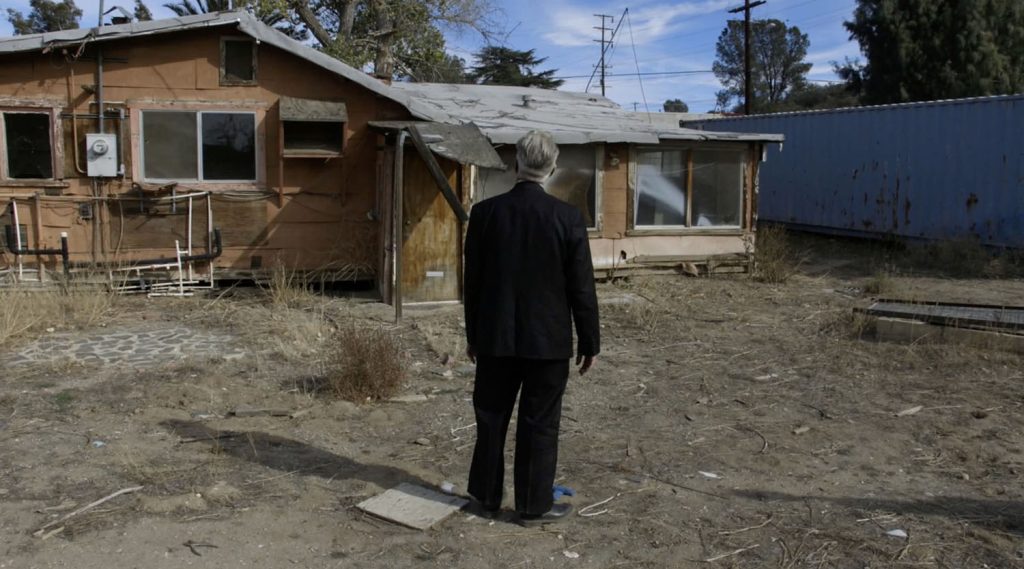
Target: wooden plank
[[435, 170], [412, 506]]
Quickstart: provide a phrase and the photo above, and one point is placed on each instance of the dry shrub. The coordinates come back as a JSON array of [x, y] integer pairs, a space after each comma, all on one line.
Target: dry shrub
[[363, 364], [775, 256], [879, 283], [289, 288], [848, 325], [25, 311], [967, 258]]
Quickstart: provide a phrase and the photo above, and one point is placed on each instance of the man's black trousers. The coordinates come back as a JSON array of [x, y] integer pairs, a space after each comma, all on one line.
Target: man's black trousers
[[498, 381]]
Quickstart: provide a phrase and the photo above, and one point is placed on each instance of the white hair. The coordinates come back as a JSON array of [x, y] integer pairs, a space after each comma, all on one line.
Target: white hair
[[536, 154]]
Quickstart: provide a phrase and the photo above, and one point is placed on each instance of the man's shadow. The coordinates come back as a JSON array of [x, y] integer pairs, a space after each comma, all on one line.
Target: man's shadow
[[1001, 515], [288, 455]]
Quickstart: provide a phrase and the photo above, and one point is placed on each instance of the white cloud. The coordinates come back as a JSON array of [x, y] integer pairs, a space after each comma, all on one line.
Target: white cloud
[[572, 26]]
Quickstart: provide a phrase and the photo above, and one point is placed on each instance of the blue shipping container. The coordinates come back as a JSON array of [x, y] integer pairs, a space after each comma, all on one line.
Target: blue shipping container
[[935, 170]]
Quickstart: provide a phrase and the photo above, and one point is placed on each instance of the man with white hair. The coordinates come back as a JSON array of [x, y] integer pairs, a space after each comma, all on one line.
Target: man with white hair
[[528, 278]]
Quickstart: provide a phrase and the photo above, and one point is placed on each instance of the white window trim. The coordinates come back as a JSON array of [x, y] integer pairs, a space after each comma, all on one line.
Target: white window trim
[[634, 173], [199, 146], [56, 172]]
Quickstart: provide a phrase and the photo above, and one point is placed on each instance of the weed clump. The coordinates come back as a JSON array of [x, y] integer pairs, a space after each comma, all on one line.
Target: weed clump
[[363, 364], [775, 256]]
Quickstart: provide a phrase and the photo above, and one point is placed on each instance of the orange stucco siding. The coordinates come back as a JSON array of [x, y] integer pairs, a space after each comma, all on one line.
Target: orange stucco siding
[[322, 215]]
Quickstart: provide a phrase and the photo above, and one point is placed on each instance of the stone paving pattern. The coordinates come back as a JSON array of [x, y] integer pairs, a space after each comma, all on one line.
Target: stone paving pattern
[[138, 347]]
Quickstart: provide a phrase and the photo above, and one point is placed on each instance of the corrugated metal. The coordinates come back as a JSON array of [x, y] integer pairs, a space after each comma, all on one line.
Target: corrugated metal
[[938, 170]]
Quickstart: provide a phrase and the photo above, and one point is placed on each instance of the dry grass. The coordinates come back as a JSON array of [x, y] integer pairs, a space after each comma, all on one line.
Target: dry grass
[[363, 364], [879, 284], [775, 256], [290, 288], [25, 311], [653, 304]]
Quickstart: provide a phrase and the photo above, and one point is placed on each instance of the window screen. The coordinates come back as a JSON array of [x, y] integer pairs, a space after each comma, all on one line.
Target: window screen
[[574, 180], [229, 146], [717, 187], [239, 63], [169, 145], [661, 188], [27, 137]]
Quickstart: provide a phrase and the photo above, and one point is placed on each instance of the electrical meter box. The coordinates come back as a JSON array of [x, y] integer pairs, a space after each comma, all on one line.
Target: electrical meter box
[[101, 155]]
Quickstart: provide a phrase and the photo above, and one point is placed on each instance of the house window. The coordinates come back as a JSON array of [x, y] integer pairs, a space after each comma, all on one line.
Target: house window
[[28, 145], [576, 179], [209, 146], [302, 137], [238, 61], [679, 188]]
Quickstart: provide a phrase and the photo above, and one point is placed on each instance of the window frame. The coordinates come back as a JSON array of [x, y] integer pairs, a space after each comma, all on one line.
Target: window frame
[[56, 146], [226, 81], [599, 161], [257, 146], [743, 152]]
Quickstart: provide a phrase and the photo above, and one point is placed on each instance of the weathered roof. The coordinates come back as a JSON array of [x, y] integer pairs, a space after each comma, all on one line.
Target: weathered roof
[[463, 143], [246, 24], [505, 114]]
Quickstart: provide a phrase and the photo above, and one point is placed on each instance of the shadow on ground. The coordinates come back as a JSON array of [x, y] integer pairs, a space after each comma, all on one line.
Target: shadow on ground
[[1002, 515], [288, 455]]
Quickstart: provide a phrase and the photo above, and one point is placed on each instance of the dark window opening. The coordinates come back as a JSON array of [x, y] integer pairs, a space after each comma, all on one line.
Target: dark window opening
[[29, 153], [239, 65], [229, 146], [169, 145], [22, 229], [313, 136]]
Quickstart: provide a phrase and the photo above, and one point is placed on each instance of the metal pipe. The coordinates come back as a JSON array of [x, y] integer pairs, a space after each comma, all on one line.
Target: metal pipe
[[17, 238], [99, 79], [214, 252], [14, 237], [397, 231]]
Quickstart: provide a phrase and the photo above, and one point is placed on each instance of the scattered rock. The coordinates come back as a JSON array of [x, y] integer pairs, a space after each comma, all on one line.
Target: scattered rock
[[801, 430], [979, 414], [422, 441], [571, 554], [897, 533], [710, 475]]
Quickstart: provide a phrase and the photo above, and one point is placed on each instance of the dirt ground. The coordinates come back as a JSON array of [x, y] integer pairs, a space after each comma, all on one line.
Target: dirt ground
[[727, 423]]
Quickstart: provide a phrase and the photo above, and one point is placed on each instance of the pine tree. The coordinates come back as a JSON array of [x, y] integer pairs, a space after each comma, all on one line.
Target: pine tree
[[45, 16], [920, 50], [506, 66]]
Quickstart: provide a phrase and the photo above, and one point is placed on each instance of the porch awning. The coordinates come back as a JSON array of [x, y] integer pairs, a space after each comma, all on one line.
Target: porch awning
[[463, 143], [311, 110]]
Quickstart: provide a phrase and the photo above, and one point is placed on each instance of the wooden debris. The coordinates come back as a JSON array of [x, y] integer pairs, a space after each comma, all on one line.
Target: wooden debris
[[86, 507], [246, 411], [731, 553], [412, 506], [911, 411]]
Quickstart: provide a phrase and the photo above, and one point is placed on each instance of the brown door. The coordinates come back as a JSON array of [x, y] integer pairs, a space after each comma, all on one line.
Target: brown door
[[432, 248]]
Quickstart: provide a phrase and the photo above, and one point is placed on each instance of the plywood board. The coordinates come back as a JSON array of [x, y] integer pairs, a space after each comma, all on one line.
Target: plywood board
[[412, 506], [432, 233]]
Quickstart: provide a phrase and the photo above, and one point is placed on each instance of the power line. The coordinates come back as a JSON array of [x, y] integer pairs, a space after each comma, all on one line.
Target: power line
[[605, 47], [644, 74], [636, 59]]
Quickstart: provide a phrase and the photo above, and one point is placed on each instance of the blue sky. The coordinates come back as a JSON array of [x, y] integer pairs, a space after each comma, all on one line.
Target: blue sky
[[668, 36]]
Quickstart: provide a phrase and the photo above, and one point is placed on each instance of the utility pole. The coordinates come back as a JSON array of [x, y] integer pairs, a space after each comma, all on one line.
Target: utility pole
[[748, 88], [604, 42]]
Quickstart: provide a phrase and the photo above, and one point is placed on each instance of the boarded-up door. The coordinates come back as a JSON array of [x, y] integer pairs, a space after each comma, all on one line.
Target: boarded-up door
[[432, 248]]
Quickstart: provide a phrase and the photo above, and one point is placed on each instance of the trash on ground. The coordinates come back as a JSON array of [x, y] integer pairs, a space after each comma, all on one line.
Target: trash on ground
[[897, 533], [412, 506], [710, 475]]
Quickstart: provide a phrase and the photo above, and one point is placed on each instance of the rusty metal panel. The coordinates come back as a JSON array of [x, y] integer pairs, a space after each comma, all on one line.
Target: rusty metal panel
[[936, 170]]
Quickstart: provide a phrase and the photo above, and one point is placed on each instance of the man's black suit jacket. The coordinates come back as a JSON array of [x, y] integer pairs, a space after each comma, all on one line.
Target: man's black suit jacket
[[528, 277]]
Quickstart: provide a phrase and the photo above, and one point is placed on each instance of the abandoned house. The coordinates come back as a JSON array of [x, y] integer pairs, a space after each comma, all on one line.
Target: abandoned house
[[175, 153]]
